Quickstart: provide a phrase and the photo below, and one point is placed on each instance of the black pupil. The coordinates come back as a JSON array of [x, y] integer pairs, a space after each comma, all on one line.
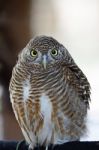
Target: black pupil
[[34, 52], [54, 51]]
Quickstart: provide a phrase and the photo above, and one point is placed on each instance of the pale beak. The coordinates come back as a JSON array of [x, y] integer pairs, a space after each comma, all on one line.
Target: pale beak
[[44, 61]]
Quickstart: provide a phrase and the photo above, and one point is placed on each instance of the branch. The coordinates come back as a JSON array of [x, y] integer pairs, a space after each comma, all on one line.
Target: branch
[[13, 145]]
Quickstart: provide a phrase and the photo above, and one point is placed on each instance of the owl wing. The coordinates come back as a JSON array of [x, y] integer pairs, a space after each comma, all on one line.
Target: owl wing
[[28, 115], [28, 118], [19, 112], [79, 81]]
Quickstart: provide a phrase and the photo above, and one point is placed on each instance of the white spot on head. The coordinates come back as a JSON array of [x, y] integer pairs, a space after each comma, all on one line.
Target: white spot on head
[[26, 88]]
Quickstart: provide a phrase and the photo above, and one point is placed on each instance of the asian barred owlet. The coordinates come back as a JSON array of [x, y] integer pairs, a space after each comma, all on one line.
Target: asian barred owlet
[[49, 93]]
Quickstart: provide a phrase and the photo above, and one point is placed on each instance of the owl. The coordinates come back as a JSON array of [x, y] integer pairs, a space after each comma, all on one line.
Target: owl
[[49, 94]]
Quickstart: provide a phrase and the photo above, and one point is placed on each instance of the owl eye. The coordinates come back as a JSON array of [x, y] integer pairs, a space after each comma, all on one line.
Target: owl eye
[[33, 53], [54, 52]]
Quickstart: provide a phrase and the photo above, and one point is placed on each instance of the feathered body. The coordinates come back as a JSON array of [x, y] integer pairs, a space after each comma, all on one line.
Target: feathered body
[[50, 101]]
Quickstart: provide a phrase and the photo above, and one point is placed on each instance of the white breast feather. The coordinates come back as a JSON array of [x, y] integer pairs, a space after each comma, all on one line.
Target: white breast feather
[[26, 88], [46, 111]]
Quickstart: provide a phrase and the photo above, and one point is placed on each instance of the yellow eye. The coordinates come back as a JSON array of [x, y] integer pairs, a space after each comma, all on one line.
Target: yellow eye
[[33, 53], [54, 52]]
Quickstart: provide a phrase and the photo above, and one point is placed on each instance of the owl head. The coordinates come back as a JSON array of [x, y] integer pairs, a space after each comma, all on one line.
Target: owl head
[[43, 52]]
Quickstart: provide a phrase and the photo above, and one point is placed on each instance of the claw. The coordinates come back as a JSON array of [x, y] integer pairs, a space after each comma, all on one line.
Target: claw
[[19, 144]]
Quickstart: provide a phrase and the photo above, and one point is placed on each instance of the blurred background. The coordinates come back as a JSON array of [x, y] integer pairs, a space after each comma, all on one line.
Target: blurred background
[[74, 23]]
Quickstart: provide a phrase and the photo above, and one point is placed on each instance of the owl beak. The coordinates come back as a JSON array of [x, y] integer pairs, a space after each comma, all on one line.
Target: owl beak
[[44, 61]]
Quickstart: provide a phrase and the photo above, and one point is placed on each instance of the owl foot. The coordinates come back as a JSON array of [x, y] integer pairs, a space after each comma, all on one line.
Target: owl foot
[[19, 144], [31, 147], [46, 148]]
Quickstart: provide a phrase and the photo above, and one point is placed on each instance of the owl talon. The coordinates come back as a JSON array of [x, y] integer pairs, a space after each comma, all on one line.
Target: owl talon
[[19, 144], [31, 147], [46, 148]]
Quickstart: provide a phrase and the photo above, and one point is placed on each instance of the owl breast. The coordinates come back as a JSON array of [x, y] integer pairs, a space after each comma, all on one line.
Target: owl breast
[[42, 92], [45, 108]]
